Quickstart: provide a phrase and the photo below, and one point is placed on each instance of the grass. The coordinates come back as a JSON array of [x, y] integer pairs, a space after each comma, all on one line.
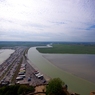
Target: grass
[[69, 48]]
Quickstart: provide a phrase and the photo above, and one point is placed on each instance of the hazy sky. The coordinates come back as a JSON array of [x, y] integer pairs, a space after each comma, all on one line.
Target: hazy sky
[[47, 20]]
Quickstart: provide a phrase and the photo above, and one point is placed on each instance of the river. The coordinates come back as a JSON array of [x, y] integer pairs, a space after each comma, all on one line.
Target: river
[[75, 84]]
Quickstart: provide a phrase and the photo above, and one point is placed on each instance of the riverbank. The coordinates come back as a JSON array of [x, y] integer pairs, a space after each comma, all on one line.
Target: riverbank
[[75, 84], [47, 78]]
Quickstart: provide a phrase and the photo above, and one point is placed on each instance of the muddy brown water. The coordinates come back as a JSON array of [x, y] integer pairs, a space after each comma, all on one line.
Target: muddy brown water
[[81, 65], [68, 70]]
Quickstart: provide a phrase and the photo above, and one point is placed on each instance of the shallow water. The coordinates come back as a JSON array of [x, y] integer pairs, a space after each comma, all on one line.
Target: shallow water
[[81, 65], [74, 83], [4, 54]]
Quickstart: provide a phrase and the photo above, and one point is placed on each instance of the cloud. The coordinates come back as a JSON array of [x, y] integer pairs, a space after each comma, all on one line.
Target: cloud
[[47, 20]]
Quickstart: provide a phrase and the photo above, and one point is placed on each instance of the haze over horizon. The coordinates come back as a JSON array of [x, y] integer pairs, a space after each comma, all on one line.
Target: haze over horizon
[[47, 20]]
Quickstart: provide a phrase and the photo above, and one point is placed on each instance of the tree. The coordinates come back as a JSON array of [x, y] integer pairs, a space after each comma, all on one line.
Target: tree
[[2, 90], [16, 89], [31, 89], [22, 89], [55, 87], [9, 90]]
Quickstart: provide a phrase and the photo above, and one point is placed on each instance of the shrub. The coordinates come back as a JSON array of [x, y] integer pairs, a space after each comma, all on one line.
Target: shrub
[[54, 87]]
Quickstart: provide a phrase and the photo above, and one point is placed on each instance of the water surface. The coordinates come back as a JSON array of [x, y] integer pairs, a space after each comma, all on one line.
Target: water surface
[[74, 83], [81, 65], [4, 54]]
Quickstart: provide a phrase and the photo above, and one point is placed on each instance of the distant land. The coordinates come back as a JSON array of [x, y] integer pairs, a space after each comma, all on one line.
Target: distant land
[[56, 44], [12, 44]]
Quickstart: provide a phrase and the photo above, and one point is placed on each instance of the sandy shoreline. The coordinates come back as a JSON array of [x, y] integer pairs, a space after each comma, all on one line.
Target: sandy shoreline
[[79, 65]]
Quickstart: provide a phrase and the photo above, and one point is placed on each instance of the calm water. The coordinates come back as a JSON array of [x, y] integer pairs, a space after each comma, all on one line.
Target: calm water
[[4, 54], [75, 84], [81, 65]]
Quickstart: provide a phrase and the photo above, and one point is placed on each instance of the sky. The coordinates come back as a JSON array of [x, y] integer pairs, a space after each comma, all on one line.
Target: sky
[[47, 20]]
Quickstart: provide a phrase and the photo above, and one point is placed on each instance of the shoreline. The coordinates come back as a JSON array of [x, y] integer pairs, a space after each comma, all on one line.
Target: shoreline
[[36, 68]]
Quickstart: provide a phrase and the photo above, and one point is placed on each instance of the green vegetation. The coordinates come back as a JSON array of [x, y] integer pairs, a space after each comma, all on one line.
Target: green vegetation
[[69, 49], [55, 87], [24, 89], [9, 90], [16, 89]]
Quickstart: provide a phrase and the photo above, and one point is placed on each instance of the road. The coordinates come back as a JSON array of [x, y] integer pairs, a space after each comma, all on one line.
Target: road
[[11, 67]]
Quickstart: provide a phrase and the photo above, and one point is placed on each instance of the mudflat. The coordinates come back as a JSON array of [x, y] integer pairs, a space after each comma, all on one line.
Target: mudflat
[[81, 65]]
